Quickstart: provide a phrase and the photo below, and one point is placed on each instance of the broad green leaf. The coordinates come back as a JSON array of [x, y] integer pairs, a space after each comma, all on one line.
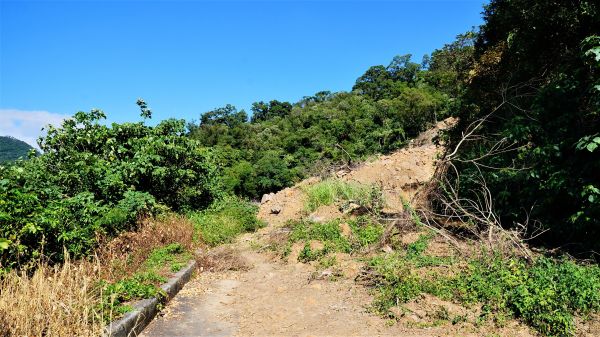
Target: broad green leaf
[[4, 244], [591, 147]]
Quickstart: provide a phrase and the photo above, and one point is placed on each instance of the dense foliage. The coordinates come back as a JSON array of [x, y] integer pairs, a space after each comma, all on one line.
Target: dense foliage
[[545, 294], [283, 142], [94, 180], [12, 149], [536, 82]]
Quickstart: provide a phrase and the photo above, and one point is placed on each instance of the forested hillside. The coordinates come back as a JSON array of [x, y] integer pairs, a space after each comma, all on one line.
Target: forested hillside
[[284, 142], [12, 149]]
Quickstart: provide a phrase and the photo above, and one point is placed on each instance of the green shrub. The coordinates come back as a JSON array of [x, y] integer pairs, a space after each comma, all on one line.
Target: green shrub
[[545, 294], [96, 180], [225, 219]]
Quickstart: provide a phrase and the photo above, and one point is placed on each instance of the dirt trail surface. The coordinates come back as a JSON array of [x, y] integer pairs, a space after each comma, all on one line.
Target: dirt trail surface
[[267, 296]]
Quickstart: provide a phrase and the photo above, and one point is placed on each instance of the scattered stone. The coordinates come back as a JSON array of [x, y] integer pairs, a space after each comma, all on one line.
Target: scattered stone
[[341, 173], [266, 198], [397, 311], [350, 207], [387, 249], [276, 209]]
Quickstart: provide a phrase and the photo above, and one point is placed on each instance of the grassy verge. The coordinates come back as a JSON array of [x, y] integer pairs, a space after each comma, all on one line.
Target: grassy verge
[[145, 283]]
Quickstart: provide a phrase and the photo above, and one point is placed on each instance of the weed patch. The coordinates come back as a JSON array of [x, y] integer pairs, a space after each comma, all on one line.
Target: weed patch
[[366, 232], [224, 220], [140, 286], [545, 294], [174, 256], [328, 233], [330, 191]]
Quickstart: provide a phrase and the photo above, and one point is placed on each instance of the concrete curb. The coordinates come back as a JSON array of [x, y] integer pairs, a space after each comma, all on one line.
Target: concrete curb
[[144, 310]]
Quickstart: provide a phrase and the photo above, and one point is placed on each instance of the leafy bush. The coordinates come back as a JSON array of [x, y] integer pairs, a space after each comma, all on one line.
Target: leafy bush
[[545, 294], [224, 220], [95, 180]]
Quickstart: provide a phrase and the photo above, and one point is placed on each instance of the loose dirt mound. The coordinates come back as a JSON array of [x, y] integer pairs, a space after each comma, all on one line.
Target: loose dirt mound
[[399, 174]]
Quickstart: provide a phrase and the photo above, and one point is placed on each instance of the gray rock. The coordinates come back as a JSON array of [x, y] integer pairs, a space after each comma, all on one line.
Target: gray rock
[[276, 209], [350, 207], [266, 198]]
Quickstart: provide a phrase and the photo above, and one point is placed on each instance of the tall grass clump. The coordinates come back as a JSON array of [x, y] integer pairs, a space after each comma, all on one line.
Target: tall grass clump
[[330, 191], [224, 220], [61, 300]]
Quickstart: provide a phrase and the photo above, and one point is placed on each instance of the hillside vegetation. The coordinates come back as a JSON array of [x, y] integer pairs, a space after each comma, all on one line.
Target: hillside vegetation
[[522, 165], [12, 149]]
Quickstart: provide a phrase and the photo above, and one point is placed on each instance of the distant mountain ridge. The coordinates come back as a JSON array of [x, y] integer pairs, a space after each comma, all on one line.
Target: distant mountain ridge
[[12, 149]]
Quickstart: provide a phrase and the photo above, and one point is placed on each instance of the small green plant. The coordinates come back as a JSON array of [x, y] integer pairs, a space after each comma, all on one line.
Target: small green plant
[[365, 231], [417, 248], [330, 191], [327, 262], [328, 233], [224, 220], [139, 286], [308, 254]]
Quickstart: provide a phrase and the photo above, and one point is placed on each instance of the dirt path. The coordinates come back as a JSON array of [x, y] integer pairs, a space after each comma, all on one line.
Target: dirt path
[[272, 298]]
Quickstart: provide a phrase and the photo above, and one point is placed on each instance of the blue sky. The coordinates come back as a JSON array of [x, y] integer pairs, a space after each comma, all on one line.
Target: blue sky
[[188, 57]]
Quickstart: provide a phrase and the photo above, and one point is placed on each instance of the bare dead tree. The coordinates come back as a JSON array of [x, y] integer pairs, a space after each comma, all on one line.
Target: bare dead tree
[[477, 211]]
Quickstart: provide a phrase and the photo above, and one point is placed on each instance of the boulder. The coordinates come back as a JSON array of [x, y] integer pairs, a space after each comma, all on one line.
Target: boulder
[[276, 209]]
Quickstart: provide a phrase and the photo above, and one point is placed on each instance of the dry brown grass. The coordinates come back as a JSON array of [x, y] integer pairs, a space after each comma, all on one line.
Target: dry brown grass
[[62, 300], [221, 259], [125, 254], [55, 301]]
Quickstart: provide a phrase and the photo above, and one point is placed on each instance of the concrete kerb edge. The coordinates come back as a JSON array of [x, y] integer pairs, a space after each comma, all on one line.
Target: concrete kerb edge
[[144, 310]]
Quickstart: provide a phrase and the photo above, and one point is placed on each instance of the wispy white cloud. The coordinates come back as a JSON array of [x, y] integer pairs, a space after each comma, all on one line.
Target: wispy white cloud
[[27, 125]]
